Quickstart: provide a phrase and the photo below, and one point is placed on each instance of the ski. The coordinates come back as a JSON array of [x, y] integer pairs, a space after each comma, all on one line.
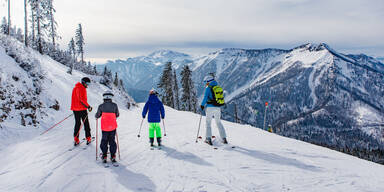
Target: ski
[[85, 147], [106, 165], [76, 146], [155, 147]]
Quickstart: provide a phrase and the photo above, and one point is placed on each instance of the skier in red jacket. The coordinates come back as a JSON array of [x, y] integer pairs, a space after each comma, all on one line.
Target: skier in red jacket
[[79, 106]]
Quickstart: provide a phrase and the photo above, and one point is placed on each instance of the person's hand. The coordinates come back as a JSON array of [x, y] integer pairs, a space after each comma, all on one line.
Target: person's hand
[[202, 107], [89, 108], [143, 116]]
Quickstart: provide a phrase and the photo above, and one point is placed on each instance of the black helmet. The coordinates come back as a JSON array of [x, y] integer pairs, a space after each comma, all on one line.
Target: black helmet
[[85, 80]]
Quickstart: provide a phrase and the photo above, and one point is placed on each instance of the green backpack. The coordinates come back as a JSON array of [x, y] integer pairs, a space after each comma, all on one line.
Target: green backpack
[[218, 96]]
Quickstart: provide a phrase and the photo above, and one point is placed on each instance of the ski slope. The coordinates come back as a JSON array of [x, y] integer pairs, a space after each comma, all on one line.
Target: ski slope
[[261, 161]]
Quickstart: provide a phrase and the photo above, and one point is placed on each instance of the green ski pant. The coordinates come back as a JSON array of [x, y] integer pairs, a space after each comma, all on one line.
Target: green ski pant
[[154, 127]]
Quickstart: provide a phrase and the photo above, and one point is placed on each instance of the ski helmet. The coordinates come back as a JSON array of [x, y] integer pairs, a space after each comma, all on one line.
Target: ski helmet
[[208, 79], [107, 95], [85, 80]]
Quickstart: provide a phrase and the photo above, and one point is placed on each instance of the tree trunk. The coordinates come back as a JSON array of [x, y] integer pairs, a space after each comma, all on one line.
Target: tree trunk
[[25, 24], [52, 28], [39, 44], [9, 18], [33, 27]]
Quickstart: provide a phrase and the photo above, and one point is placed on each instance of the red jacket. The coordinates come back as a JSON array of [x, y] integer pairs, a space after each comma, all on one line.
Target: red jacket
[[108, 122], [79, 98]]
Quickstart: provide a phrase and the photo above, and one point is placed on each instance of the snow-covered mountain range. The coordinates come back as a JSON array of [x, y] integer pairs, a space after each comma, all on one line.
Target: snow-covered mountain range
[[142, 73], [315, 93]]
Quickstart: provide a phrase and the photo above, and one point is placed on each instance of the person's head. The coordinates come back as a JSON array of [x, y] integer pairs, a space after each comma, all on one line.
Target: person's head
[[85, 81], [208, 79], [153, 92], [107, 95]]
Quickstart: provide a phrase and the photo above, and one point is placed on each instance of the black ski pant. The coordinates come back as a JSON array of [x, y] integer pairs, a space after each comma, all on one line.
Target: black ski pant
[[108, 138], [81, 116]]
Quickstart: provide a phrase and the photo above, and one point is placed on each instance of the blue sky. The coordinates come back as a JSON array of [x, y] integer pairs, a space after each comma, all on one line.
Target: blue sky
[[126, 28]]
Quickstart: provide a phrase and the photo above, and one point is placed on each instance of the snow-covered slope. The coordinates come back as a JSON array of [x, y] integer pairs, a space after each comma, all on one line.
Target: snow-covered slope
[[36, 91], [261, 161]]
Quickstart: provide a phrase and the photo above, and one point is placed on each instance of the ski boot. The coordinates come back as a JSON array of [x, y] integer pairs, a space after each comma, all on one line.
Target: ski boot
[[151, 141], [208, 141], [89, 140], [225, 141], [159, 141], [104, 158], [113, 158], [77, 141]]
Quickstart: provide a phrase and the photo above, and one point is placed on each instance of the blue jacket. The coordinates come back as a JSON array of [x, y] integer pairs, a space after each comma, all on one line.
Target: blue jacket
[[155, 108], [208, 95]]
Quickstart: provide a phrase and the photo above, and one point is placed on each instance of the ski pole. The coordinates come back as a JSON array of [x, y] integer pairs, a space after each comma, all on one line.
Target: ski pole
[[165, 133], [97, 130], [198, 130], [140, 127], [55, 125], [118, 146]]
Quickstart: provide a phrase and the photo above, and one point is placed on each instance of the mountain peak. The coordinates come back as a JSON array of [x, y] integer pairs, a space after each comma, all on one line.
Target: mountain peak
[[313, 46], [167, 53]]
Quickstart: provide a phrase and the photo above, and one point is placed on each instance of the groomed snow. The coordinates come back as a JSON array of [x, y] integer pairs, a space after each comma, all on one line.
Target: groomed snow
[[261, 162]]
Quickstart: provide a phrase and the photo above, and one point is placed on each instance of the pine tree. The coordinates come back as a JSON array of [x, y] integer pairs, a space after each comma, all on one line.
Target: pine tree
[[188, 97], [72, 54], [121, 85], [165, 86], [95, 70], [116, 80], [4, 26], [52, 24], [39, 16], [80, 42], [176, 91], [72, 49], [19, 35]]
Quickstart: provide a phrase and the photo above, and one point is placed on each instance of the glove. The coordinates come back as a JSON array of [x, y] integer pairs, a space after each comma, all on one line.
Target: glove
[[89, 108], [143, 117], [202, 107]]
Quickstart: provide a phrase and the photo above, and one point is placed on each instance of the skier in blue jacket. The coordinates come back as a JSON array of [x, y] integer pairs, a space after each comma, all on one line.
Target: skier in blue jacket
[[212, 111], [155, 109]]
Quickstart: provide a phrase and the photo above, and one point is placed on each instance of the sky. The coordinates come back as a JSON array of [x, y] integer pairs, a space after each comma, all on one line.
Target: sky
[[118, 29]]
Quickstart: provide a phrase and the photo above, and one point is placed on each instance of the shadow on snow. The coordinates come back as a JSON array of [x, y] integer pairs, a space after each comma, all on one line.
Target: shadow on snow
[[186, 156], [276, 159]]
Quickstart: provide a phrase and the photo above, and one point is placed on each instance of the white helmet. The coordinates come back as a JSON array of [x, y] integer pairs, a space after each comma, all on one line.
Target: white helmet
[[208, 78], [107, 95]]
